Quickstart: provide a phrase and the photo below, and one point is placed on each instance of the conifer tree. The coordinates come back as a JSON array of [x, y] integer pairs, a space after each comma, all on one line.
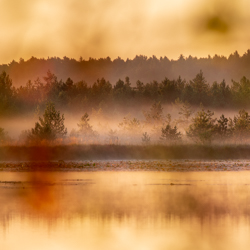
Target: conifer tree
[[203, 127], [50, 126], [169, 134]]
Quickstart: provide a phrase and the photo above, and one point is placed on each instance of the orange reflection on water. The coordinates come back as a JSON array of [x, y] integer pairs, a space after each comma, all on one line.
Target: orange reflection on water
[[125, 210], [40, 194]]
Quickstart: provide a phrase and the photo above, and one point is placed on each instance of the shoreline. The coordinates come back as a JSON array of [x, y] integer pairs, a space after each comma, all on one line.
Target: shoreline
[[94, 152], [126, 165]]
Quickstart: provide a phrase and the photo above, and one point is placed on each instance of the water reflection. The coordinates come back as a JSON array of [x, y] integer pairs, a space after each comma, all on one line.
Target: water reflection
[[125, 210]]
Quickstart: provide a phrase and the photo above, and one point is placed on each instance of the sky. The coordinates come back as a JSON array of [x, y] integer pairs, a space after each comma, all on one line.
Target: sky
[[122, 28]]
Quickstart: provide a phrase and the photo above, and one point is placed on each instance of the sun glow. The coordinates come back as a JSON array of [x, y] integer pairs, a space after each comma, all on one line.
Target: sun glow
[[122, 28]]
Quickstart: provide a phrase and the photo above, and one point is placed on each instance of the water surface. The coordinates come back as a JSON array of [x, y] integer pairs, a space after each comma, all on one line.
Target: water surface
[[125, 210]]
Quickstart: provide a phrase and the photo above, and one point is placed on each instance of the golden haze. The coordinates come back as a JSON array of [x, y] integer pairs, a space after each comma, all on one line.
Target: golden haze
[[125, 28]]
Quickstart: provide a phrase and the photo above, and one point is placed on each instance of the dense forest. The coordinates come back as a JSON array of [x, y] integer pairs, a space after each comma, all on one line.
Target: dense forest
[[80, 97], [145, 69]]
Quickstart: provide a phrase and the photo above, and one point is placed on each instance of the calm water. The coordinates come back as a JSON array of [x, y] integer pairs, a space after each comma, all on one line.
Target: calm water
[[125, 210]]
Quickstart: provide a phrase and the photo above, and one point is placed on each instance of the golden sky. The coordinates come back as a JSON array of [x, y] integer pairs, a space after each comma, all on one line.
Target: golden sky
[[125, 28]]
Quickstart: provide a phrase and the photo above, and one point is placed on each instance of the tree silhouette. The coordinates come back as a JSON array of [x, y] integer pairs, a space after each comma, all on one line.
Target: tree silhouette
[[221, 129], [155, 115], [6, 93], [50, 126], [202, 128], [85, 131], [145, 138], [200, 88], [3, 136], [84, 128], [169, 134], [240, 125]]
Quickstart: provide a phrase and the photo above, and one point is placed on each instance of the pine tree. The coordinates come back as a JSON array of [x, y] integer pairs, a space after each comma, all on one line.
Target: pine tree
[[145, 138], [84, 128], [169, 134], [203, 127], [221, 129], [50, 126]]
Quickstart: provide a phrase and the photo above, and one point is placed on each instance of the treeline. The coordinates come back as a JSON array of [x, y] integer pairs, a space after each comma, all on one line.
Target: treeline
[[78, 96], [145, 69]]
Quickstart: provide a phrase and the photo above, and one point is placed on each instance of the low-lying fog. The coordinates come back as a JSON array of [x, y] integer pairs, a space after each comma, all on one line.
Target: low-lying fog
[[108, 125]]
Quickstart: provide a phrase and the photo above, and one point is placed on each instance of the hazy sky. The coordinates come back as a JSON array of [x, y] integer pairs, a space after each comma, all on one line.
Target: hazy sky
[[125, 28]]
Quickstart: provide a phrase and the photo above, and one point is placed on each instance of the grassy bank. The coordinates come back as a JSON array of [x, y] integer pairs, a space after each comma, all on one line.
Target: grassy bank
[[91, 152]]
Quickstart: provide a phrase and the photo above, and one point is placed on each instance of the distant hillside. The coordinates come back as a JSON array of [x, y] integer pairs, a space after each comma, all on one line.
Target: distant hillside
[[141, 68]]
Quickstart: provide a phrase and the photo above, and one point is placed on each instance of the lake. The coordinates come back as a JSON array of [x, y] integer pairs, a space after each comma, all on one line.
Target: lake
[[124, 210]]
